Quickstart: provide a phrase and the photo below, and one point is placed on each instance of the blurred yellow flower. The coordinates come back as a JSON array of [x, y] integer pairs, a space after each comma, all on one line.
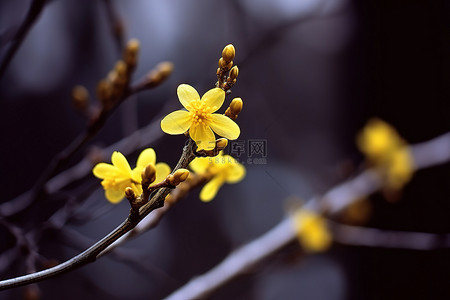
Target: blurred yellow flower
[[377, 139], [385, 149], [400, 167], [221, 168], [200, 118], [311, 231], [119, 175]]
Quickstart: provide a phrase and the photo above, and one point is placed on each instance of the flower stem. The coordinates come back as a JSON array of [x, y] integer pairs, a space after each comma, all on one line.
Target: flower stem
[[92, 253]]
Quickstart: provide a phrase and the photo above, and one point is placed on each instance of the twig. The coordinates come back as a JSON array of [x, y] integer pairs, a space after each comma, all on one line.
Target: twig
[[373, 237], [266, 41], [153, 219], [31, 17], [427, 154], [116, 26], [140, 260], [237, 262], [18, 204], [91, 254]]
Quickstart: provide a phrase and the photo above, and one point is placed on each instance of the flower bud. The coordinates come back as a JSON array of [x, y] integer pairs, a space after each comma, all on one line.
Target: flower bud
[[165, 68], [234, 73], [148, 175], [234, 109], [180, 175], [104, 92], [121, 69], [159, 74], [132, 47], [80, 98], [130, 195], [228, 53], [131, 53], [222, 63], [236, 105]]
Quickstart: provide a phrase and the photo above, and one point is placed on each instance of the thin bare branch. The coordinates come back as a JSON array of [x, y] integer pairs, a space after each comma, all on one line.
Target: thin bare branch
[[373, 237], [91, 254], [116, 25], [31, 17], [23, 201]]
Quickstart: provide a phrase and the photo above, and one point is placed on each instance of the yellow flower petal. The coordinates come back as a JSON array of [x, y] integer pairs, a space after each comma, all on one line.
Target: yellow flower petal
[[114, 196], [147, 157], [186, 94], [210, 189], [120, 162], [200, 164], [235, 173], [224, 126], [103, 170], [203, 137], [162, 170], [214, 99], [137, 188], [177, 122], [136, 174], [377, 139], [400, 168], [311, 231]]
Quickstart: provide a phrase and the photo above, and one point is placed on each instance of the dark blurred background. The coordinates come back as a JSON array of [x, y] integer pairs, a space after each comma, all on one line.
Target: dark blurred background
[[311, 74]]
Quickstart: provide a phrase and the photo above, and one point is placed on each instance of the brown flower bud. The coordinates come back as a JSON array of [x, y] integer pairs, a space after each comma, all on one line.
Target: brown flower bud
[[112, 76], [234, 109], [224, 66], [80, 98], [236, 105], [165, 68], [228, 53], [234, 73], [104, 91], [148, 175], [120, 69], [131, 53], [130, 195], [179, 176], [132, 47], [222, 63], [159, 74]]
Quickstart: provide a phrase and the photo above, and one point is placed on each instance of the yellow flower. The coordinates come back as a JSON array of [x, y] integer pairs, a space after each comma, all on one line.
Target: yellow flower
[[311, 231], [400, 168], [118, 176], [200, 118], [377, 139], [384, 148], [221, 168]]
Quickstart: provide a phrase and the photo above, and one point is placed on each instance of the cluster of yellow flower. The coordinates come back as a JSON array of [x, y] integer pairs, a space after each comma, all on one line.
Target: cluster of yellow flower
[[387, 151], [221, 169], [201, 122], [119, 175], [381, 144], [312, 231]]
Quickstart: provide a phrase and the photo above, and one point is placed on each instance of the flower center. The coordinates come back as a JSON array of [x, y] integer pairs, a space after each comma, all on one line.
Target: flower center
[[200, 113]]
